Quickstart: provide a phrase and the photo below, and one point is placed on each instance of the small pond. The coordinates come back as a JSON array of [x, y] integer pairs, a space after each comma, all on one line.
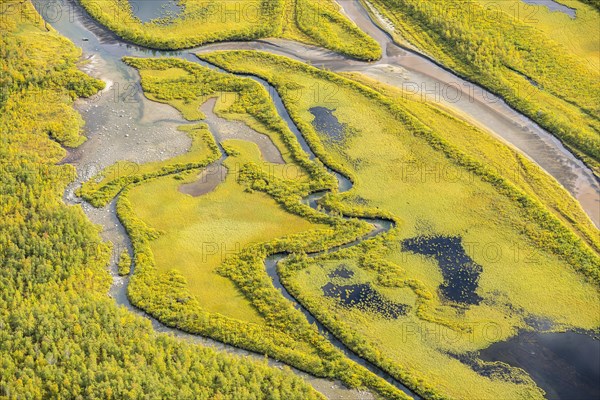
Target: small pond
[[460, 272], [364, 297], [553, 6], [342, 272], [327, 123], [148, 10]]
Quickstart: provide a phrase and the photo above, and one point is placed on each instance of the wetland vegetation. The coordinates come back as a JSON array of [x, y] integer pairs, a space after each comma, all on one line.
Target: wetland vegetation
[[316, 22], [398, 133], [62, 336], [545, 64], [205, 274], [339, 225]]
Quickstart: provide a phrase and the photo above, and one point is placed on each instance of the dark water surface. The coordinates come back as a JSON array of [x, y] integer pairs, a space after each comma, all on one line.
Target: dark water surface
[[104, 45], [460, 272], [327, 123], [364, 297], [566, 365], [342, 272], [148, 10]]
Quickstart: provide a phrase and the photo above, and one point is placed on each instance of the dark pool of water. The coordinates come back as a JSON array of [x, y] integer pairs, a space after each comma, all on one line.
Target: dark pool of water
[[147, 10], [327, 123], [364, 297], [342, 272], [490, 370], [566, 365], [553, 6], [460, 272]]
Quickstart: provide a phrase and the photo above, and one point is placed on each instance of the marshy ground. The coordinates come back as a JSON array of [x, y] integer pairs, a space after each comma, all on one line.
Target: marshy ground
[[210, 176]]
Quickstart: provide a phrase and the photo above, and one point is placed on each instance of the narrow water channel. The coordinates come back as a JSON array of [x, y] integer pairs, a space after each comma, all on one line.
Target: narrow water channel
[[121, 124], [398, 67]]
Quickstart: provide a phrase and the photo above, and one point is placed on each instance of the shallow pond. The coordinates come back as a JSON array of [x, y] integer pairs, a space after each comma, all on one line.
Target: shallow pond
[[148, 10], [553, 6], [365, 298], [327, 123], [341, 272], [566, 365], [207, 180], [460, 272]]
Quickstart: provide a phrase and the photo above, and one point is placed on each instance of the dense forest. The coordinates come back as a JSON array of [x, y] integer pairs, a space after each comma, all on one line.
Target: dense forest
[[61, 336]]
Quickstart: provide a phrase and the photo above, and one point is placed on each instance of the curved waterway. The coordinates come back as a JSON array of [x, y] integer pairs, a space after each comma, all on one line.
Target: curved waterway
[[224, 129], [123, 125], [419, 75], [399, 67], [379, 226], [422, 76]]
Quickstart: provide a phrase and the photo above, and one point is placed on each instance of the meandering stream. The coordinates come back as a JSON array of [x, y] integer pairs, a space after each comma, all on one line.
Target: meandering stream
[[123, 125]]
